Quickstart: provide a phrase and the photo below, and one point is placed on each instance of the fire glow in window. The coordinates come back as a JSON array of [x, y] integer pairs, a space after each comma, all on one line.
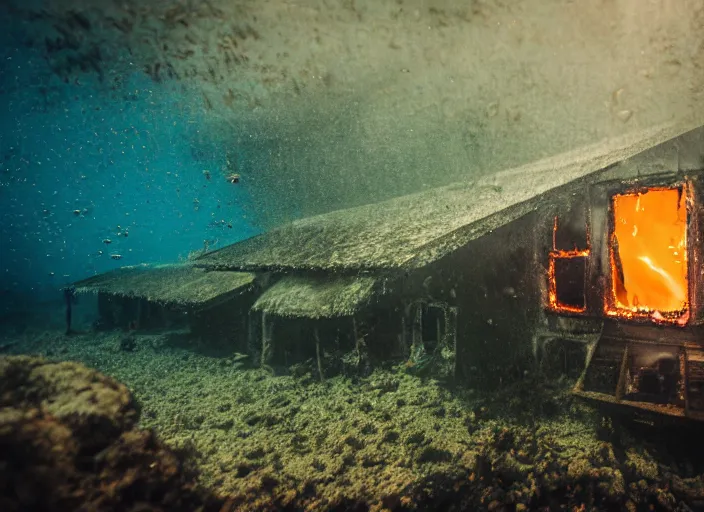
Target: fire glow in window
[[648, 253], [568, 264]]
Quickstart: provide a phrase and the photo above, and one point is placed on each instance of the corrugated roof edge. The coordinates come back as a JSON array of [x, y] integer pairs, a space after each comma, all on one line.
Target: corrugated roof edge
[[101, 283]]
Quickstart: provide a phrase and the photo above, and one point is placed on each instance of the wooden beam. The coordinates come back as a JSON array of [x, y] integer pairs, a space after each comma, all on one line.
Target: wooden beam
[[267, 343], [317, 354]]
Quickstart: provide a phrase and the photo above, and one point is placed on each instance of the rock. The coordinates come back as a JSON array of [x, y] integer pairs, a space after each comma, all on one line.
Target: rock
[[67, 443], [95, 407], [128, 343]]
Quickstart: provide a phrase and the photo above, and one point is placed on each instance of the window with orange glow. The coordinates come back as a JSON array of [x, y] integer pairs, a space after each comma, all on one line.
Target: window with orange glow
[[649, 252], [568, 263]]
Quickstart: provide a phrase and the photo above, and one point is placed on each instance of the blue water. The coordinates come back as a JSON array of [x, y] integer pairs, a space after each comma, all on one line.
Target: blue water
[[82, 163]]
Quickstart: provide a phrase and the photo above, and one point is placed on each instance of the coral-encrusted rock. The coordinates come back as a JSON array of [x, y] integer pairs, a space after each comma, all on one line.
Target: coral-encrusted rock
[[95, 407], [67, 443]]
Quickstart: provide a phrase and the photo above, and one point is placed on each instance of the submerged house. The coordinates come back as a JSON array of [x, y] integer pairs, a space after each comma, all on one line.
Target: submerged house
[[595, 254], [590, 260]]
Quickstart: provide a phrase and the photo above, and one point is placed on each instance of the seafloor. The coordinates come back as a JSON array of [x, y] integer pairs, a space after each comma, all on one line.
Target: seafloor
[[232, 437]]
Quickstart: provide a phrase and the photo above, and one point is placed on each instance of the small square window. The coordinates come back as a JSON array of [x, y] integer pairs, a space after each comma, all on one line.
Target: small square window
[[568, 261]]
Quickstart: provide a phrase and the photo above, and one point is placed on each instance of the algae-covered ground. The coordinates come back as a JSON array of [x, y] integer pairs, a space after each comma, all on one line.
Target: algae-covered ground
[[388, 441]]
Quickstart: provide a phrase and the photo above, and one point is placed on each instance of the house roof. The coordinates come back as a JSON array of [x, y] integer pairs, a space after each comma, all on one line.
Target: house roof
[[414, 230], [181, 285], [317, 297]]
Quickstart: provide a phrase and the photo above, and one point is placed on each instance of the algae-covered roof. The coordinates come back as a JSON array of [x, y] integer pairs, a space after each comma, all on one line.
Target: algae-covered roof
[[317, 297], [169, 284], [414, 230]]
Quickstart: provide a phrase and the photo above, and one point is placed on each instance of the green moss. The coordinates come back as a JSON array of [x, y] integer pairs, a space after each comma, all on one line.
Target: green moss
[[639, 462]]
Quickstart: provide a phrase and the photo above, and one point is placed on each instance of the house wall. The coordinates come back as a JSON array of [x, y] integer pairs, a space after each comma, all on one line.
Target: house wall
[[498, 283], [492, 283], [117, 312], [225, 324], [697, 240]]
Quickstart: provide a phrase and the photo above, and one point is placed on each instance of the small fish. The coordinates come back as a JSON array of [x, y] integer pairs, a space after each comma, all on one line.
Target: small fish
[[107, 241], [509, 291], [233, 178], [116, 256], [76, 212], [206, 173], [79, 19]]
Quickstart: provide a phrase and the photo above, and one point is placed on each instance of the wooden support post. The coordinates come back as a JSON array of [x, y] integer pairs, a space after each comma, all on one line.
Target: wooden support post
[[404, 331], [250, 334], [621, 385], [438, 333], [267, 348], [449, 343], [317, 354], [242, 334], [684, 371], [417, 333], [446, 341], [355, 333]]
